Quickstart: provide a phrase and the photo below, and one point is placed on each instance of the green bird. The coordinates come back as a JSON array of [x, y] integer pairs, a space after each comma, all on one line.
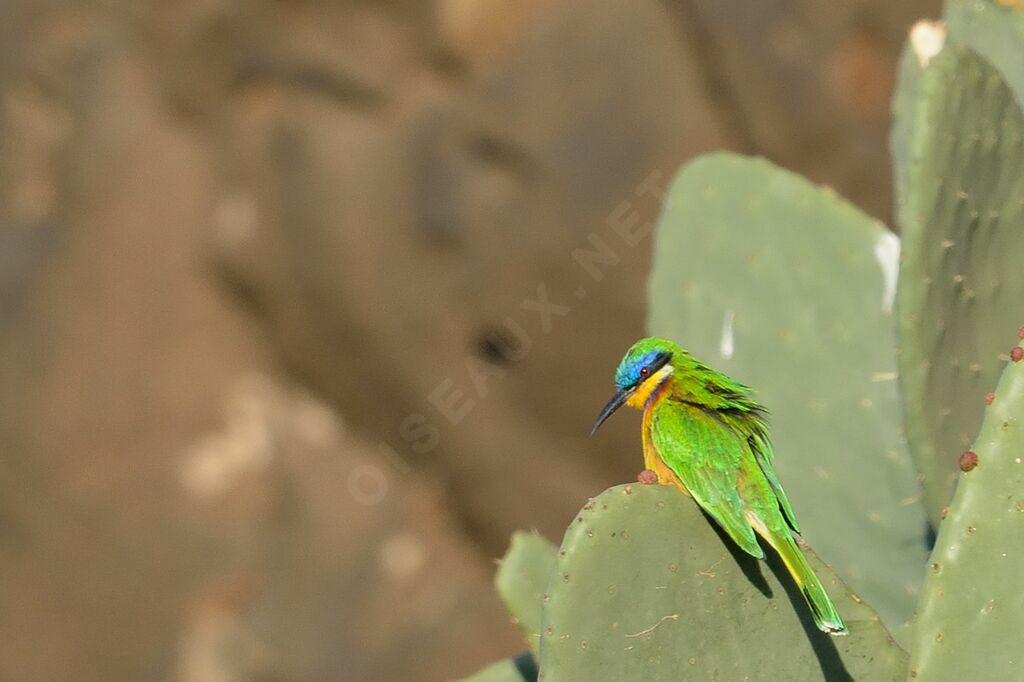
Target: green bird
[[705, 434]]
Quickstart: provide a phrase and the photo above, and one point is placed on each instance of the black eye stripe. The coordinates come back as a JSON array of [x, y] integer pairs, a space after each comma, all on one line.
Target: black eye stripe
[[659, 361]]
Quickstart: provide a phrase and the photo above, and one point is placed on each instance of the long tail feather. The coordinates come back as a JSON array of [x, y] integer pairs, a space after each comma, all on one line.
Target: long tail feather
[[822, 608], [824, 611]]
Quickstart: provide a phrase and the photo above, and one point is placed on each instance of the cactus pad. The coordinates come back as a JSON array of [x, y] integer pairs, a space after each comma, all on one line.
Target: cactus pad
[[926, 40], [522, 580], [787, 288], [971, 614], [994, 32], [646, 588], [961, 286]]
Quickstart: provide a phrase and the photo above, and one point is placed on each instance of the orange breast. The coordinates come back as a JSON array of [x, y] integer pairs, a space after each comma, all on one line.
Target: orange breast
[[652, 460]]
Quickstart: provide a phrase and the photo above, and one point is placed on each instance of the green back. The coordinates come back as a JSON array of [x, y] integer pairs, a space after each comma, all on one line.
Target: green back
[[715, 461]]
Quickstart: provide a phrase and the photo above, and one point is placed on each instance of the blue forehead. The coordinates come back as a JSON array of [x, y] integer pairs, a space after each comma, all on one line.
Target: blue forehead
[[629, 371]]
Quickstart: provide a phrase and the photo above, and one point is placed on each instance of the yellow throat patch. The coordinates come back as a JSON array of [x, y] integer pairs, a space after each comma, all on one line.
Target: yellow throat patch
[[639, 397]]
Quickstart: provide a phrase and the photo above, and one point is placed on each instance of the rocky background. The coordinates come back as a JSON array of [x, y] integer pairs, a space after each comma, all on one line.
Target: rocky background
[[306, 305]]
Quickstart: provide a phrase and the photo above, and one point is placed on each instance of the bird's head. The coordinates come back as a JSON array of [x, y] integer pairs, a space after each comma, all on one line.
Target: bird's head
[[646, 365]]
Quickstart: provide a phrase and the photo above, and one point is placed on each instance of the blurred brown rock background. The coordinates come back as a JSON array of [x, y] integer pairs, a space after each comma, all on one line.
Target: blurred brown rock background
[[294, 328]]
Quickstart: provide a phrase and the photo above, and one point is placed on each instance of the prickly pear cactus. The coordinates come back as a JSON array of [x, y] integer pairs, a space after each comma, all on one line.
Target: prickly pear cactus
[[646, 589], [971, 615], [961, 286], [926, 40], [522, 580], [789, 289], [995, 30]]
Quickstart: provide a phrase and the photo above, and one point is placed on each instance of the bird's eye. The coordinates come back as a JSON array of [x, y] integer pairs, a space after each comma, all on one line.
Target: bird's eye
[[644, 371]]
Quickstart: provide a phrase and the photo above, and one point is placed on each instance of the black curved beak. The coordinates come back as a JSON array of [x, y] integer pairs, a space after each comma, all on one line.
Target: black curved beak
[[615, 403]]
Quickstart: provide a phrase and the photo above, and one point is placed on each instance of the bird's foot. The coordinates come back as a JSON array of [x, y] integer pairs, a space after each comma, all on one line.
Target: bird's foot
[[647, 477]]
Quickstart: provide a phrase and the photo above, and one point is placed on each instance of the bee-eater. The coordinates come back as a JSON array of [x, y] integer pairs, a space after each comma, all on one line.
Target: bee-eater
[[705, 434]]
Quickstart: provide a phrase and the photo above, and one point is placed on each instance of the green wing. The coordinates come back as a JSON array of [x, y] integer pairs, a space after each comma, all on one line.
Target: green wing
[[707, 456], [762, 448]]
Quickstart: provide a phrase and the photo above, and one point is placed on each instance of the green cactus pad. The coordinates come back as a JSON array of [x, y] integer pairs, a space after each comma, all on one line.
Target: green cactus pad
[[522, 580], [961, 286], [647, 589], [904, 108], [994, 32], [971, 615], [787, 288]]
